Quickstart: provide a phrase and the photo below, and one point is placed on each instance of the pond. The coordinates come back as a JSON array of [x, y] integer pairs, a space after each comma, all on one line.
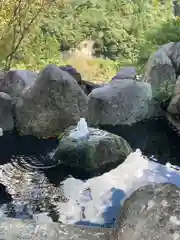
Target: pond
[[152, 137], [32, 185]]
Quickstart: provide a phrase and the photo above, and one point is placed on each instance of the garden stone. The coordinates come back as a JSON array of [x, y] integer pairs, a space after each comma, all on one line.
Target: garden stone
[[121, 103], [151, 212], [54, 102], [95, 151], [15, 81]]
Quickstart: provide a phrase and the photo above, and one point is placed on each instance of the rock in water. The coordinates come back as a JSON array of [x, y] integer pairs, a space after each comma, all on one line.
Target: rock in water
[[54, 102], [151, 212], [121, 102], [15, 81], [6, 113], [97, 150]]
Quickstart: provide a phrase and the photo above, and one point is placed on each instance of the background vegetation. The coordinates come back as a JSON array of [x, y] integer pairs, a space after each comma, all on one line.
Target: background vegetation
[[126, 32]]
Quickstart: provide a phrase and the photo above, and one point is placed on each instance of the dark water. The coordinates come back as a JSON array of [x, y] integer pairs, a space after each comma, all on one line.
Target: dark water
[[153, 137], [12, 146]]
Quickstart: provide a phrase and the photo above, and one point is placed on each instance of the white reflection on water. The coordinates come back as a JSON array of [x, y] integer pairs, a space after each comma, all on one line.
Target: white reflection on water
[[93, 202]]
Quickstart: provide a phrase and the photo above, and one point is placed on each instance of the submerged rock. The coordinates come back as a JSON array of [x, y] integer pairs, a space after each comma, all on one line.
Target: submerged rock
[[54, 102], [151, 212], [122, 103], [95, 151]]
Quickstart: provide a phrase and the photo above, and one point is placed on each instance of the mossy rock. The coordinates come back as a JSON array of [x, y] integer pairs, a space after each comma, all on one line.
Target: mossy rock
[[97, 150]]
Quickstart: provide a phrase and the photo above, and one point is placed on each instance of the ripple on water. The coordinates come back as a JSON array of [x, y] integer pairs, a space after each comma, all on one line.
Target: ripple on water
[[29, 188], [31, 192], [94, 202]]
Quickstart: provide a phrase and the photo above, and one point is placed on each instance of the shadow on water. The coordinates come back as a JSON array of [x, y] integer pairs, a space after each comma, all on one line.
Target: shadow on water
[[14, 147], [78, 173], [152, 137], [4, 196]]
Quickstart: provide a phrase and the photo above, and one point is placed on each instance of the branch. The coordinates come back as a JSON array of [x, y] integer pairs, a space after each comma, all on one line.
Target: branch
[[15, 47]]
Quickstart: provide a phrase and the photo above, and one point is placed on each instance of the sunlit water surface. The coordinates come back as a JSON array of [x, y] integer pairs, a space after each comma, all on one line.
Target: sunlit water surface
[[56, 193]]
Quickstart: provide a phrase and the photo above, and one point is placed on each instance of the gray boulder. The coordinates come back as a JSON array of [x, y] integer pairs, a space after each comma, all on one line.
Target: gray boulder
[[174, 122], [6, 112], [121, 102], [126, 73], [151, 212], [173, 109], [97, 150], [173, 113], [160, 72], [12, 229], [163, 68], [89, 86], [174, 106], [54, 102], [174, 54], [73, 72], [15, 81], [177, 87]]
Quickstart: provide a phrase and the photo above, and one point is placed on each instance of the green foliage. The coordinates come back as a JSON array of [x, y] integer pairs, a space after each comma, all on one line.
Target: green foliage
[[117, 26], [168, 31], [165, 93], [125, 32]]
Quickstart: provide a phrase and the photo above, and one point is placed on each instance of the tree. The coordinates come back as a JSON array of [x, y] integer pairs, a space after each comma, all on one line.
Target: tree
[[17, 19]]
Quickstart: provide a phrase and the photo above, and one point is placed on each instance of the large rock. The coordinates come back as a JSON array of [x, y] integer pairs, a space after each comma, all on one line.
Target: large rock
[[160, 72], [126, 73], [151, 212], [54, 102], [174, 106], [95, 151], [89, 86], [16, 80], [121, 102], [173, 113], [11, 229], [163, 68], [85, 85], [6, 112], [73, 72], [173, 109], [174, 54], [177, 86], [174, 122]]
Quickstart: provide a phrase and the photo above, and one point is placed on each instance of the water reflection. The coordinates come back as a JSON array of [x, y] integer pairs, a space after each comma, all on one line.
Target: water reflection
[[31, 192], [23, 162], [32, 189]]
